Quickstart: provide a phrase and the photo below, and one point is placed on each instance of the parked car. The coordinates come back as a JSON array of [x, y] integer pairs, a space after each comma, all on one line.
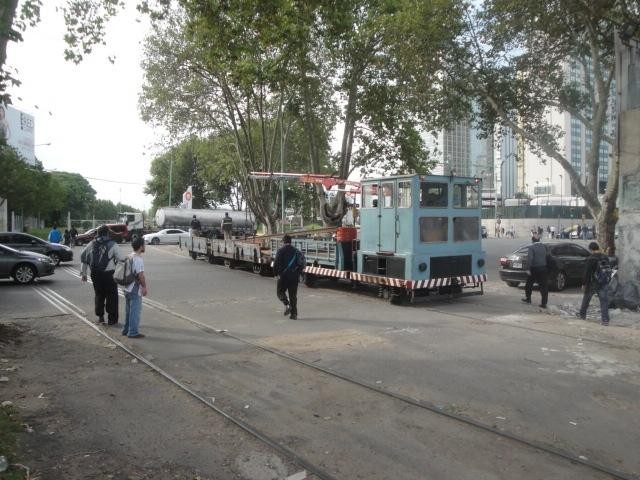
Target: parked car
[[168, 235], [117, 231], [483, 231], [570, 262], [23, 241], [24, 266]]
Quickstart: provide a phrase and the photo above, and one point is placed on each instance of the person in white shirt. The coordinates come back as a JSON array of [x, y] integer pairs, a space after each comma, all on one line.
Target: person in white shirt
[[135, 291]]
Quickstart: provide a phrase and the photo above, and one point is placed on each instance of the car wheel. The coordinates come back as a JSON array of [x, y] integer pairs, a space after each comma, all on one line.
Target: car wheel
[[155, 241], [559, 281], [24, 273], [513, 284], [55, 258]]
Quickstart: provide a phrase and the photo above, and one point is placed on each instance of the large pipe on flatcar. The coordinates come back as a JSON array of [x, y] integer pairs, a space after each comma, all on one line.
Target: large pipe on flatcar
[[209, 219]]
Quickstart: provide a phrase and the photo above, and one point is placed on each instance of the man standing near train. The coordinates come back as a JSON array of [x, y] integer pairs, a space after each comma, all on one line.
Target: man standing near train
[[287, 267], [227, 226]]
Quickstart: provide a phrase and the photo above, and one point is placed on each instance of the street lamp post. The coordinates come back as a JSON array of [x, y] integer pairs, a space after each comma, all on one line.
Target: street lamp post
[[561, 201], [495, 188], [170, 179], [548, 190]]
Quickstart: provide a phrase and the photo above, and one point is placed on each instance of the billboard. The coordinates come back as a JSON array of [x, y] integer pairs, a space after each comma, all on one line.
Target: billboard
[[18, 129]]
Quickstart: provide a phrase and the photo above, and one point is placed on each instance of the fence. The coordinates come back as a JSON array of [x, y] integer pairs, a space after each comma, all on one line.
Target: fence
[[539, 211]]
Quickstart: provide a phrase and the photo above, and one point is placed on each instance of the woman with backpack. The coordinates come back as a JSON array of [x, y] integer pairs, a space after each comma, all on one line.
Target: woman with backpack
[[597, 276]]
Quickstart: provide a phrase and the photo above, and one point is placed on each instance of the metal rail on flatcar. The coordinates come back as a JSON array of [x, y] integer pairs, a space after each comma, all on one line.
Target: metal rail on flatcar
[[419, 235]]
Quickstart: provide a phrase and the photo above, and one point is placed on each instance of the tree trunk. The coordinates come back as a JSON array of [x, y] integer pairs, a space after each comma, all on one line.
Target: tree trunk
[[7, 15]]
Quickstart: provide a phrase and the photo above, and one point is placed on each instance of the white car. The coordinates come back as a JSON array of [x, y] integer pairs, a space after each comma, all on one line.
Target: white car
[[166, 236]]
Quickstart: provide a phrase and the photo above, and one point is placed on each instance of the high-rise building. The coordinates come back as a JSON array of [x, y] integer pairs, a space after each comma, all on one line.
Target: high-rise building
[[539, 175]]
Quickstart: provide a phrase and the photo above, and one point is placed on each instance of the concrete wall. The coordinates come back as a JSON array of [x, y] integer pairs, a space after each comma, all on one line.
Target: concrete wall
[[629, 207]]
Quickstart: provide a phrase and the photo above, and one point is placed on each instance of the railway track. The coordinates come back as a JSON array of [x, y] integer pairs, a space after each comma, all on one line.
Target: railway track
[[467, 421]]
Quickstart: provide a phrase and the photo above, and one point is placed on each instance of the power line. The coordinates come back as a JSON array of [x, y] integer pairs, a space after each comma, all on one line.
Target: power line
[[114, 181]]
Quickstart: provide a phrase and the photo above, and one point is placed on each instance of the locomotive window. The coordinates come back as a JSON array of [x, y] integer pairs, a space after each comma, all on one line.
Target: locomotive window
[[404, 194], [369, 196], [433, 194], [466, 229], [465, 196], [434, 229], [387, 195]]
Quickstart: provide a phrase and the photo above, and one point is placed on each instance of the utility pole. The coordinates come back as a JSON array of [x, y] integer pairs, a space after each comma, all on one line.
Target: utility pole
[[170, 179]]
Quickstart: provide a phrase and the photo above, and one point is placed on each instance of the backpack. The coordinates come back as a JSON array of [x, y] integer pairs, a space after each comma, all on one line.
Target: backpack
[[297, 263], [301, 261], [100, 256], [123, 274], [604, 272]]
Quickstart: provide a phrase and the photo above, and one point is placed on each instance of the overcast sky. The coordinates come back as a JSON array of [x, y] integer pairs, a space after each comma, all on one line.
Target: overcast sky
[[88, 112]]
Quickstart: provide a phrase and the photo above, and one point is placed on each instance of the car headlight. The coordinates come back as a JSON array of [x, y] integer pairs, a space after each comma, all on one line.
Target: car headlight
[[45, 260]]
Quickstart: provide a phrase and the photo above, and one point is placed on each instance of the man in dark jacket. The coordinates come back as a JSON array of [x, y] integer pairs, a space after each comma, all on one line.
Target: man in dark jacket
[[101, 256], [287, 268], [196, 227], [538, 272], [591, 285], [227, 226]]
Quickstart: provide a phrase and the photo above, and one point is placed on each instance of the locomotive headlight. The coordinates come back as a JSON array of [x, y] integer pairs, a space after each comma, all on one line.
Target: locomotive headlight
[[422, 267], [481, 262]]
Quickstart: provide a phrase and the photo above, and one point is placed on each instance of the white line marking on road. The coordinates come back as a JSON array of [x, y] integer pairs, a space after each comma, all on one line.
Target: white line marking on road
[[63, 300], [51, 301]]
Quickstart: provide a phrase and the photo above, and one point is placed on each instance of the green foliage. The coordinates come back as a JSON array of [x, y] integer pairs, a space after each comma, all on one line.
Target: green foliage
[[513, 61], [107, 210], [77, 194], [27, 189], [283, 73], [203, 164]]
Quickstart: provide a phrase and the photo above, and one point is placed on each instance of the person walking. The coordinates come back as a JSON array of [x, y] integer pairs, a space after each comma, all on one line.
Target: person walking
[[227, 226], [54, 235], [538, 272], [597, 276], [196, 227], [101, 256], [67, 237], [74, 233], [135, 291], [287, 267]]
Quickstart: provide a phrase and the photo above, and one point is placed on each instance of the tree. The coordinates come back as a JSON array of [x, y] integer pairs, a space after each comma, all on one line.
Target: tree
[[259, 69], [194, 162], [107, 210], [511, 60], [27, 189], [78, 195], [232, 89]]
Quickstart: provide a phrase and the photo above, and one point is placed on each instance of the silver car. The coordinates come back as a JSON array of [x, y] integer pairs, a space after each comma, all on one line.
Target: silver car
[[166, 236], [24, 266]]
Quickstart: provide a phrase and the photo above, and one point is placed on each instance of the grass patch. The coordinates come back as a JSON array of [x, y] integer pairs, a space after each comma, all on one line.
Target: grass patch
[[9, 429]]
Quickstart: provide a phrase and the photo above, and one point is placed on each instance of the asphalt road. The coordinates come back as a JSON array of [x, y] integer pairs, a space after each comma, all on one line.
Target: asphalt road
[[563, 383]]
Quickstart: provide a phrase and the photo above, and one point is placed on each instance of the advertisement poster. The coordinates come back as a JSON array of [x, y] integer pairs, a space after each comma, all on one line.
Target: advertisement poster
[[17, 129]]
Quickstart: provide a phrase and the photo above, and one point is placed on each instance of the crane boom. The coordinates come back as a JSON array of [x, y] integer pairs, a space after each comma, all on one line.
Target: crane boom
[[327, 181]]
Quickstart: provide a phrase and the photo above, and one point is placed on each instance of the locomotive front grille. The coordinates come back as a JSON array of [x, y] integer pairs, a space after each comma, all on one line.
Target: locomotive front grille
[[442, 267]]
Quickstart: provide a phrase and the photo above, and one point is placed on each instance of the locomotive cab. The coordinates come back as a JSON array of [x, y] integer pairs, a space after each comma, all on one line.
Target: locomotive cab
[[422, 232]]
